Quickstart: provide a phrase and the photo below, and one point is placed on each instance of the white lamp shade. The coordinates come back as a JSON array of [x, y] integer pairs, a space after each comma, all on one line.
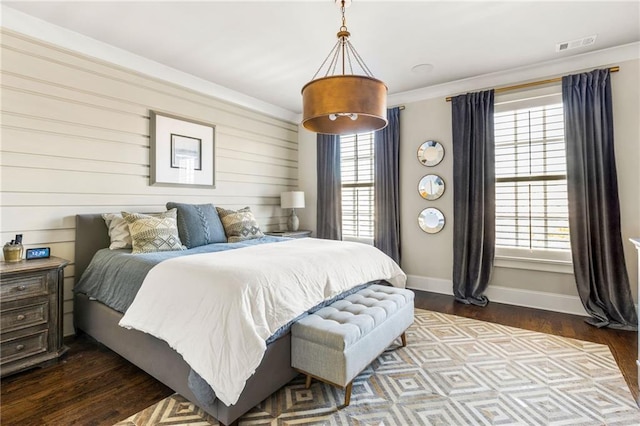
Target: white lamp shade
[[292, 200]]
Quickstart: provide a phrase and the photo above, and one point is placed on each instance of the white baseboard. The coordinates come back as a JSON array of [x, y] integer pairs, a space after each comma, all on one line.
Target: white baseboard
[[510, 296]]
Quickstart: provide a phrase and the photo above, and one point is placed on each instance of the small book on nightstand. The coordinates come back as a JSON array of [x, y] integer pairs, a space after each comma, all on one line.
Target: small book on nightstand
[[290, 234]]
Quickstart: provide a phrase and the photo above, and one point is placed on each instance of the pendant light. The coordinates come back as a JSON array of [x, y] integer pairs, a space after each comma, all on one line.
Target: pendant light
[[344, 103]]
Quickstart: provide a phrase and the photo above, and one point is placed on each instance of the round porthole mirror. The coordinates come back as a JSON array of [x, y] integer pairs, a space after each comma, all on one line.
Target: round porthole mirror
[[431, 220], [431, 187], [430, 153]]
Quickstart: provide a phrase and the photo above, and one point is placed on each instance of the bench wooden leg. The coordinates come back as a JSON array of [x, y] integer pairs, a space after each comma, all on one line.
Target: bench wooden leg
[[403, 336], [307, 384], [347, 394]]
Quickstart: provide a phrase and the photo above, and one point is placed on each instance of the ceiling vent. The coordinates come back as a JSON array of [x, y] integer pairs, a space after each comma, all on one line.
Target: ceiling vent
[[574, 44]]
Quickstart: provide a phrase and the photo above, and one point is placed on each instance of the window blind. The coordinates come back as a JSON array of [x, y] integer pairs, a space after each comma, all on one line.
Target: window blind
[[356, 168], [531, 178]]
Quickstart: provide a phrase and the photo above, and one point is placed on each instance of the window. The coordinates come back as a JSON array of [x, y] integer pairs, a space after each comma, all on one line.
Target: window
[[532, 218], [356, 168]]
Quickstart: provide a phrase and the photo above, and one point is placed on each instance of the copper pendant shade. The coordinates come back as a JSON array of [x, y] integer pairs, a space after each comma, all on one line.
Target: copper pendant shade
[[344, 103]]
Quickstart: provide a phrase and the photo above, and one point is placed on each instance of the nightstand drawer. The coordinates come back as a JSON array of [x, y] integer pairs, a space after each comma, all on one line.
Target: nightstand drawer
[[23, 347], [23, 286], [24, 316]]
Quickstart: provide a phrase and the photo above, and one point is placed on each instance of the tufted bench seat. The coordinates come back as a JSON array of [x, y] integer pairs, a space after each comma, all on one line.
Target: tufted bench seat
[[337, 342]]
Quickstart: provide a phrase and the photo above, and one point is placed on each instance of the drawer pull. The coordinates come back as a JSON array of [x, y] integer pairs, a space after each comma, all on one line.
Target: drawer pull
[[19, 347], [20, 317], [21, 287]]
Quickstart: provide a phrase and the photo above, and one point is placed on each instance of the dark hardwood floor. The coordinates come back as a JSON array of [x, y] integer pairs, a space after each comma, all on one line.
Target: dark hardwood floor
[[93, 386]]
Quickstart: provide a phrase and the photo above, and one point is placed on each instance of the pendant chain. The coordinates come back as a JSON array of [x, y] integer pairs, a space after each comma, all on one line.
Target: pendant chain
[[343, 52]]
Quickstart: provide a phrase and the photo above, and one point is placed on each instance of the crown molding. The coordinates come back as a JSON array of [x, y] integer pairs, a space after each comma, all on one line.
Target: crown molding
[[37, 28], [585, 61]]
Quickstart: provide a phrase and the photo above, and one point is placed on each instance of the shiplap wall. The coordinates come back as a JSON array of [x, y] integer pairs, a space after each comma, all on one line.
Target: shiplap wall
[[75, 139]]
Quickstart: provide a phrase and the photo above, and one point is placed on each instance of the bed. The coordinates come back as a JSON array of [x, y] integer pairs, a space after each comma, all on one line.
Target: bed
[[154, 355]]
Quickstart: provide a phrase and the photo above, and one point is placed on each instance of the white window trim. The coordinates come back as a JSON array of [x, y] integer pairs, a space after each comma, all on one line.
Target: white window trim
[[558, 261]]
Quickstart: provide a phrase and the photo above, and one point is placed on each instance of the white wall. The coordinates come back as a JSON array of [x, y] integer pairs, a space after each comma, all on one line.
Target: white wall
[[427, 259], [75, 139]]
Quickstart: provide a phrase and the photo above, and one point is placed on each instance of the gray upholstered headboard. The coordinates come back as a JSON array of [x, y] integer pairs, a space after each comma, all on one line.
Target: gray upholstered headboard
[[91, 235]]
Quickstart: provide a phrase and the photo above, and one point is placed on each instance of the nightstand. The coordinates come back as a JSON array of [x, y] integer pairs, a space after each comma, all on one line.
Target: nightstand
[[290, 234], [31, 296]]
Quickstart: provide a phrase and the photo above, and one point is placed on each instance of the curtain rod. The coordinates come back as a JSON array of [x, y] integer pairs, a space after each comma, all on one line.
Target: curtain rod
[[532, 84]]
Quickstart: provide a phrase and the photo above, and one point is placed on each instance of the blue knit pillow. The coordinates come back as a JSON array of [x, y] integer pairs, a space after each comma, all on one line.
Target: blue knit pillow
[[198, 224]]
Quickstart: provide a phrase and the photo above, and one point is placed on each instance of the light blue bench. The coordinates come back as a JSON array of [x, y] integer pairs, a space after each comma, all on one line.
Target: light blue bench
[[339, 341]]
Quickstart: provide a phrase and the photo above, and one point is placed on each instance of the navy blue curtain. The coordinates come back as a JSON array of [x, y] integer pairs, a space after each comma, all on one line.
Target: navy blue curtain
[[474, 195], [386, 234], [594, 209], [329, 208]]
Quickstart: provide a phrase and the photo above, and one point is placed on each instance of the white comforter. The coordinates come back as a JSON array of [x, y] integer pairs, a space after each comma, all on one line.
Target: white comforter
[[218, 309]]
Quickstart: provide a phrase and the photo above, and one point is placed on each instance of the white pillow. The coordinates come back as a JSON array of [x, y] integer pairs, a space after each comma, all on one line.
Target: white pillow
[[118, 231]]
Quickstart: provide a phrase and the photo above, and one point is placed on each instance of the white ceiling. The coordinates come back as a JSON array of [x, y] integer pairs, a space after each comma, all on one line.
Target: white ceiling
[[268, 50]]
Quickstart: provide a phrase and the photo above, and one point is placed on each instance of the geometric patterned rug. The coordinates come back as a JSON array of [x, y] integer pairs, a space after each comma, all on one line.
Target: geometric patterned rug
[[454, 371]]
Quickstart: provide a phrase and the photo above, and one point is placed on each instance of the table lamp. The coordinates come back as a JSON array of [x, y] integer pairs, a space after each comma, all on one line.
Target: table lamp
[[292, 200]]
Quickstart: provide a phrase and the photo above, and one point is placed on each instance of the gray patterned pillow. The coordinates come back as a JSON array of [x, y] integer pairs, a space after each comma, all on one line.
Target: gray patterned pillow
[[153, 233], [239, 225]]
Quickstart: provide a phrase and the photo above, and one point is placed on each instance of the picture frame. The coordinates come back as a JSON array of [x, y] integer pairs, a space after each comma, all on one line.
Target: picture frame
[[182, 152]]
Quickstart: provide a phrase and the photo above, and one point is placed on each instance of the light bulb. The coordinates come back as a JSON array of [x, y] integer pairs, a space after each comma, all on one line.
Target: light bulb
[[334, 117]]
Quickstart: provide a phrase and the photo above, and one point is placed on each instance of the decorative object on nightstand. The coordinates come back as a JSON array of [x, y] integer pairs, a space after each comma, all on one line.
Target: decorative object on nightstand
[[31, 310], [290, 234], [12, 251], [292, 200]]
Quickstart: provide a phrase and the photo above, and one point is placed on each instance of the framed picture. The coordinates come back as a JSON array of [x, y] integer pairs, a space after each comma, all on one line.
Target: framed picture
[[182, 152], [186, 152]]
